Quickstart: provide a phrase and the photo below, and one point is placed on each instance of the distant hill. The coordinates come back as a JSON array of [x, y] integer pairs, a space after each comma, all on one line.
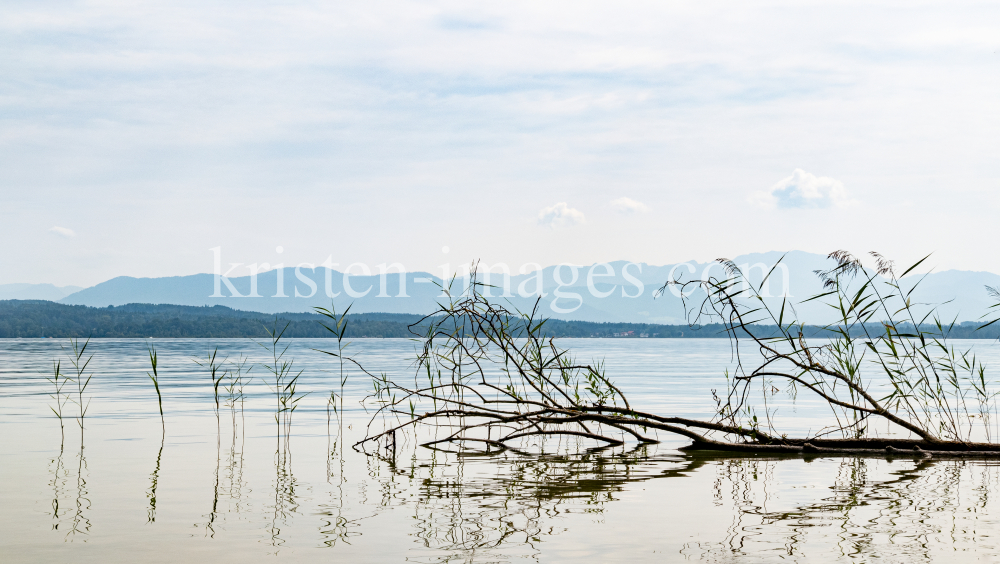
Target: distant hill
[[40, 319], [36, 291], [621, 292]]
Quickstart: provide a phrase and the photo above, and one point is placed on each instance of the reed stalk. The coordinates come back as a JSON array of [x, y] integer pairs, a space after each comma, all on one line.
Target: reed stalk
[[338, 327], [59, 381], [155, 377], [218, 374], [285, 381], [79, 368], [233, 388]]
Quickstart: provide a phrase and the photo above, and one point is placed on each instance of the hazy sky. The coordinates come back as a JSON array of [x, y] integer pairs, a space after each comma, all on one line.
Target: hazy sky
[[134, 136]]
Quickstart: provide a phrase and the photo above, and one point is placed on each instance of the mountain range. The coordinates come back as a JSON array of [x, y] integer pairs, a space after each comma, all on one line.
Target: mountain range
[[619, 291], [36, 292]]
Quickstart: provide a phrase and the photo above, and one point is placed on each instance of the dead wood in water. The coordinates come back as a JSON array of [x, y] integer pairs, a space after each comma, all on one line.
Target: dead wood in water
[[488, 378]]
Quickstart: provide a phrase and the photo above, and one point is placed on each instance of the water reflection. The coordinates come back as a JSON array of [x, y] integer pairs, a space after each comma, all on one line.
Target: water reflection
[[874, 507], [154, 478], [434, 506], [210, 525], [335, 527], [59, 483], [70, 503], [235, 486], [286, 501], [474, 507], [230, 489], [81, 522]]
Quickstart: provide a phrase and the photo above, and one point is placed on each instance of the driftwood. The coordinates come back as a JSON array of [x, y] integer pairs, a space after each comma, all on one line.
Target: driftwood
[[488, 379]]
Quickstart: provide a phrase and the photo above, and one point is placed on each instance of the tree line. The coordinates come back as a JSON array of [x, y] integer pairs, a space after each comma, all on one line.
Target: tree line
[[41, 319]]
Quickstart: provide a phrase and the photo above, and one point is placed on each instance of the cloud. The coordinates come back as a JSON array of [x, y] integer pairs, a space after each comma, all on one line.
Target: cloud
[[560, 215], [628, 206], [804, 191], [63, 232], [416, 103]]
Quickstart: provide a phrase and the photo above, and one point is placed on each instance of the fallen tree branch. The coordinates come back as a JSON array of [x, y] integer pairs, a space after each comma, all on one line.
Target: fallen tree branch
[[490, 375]]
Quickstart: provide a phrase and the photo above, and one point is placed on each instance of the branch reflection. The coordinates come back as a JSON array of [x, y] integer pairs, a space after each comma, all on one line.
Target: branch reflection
[[478, 506]]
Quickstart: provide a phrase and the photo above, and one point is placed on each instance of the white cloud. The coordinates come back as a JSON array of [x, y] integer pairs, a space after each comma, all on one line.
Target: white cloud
[[63, 232], [628, 206], [804, 191], [560, 215]]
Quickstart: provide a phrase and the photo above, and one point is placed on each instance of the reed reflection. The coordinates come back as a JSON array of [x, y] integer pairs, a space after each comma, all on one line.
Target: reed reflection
[[235, 487], [154, 479], [210, 525], [80, 522], [335, 527], [286, 502], [59, 483], [70, 504], [228, 381], [891, 508]]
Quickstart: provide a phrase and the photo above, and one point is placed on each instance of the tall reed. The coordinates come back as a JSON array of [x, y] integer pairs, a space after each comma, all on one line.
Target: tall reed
[[155, 377], [338, 328], [285, 382], [80, 368], [236, 380], [218, 374], [59, 381]]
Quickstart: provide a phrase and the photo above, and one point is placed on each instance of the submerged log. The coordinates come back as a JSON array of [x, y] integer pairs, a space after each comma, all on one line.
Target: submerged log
[[857, 447]]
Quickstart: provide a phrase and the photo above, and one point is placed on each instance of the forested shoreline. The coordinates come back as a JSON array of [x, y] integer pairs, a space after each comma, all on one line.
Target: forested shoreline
[[42, 319]]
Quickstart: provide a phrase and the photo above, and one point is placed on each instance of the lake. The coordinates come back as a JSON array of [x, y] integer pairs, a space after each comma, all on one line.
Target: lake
[[218, 489]]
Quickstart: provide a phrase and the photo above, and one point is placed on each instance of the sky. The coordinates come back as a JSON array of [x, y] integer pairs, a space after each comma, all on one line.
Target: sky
[[137, 136]]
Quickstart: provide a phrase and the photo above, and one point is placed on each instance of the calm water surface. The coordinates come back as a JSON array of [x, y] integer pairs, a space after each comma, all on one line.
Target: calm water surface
[[218, 490]]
